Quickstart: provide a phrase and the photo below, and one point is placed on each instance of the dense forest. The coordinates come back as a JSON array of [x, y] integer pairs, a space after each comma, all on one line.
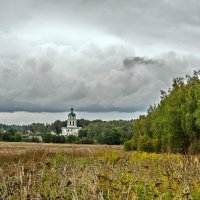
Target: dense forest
[[173, 125], [93, 132]]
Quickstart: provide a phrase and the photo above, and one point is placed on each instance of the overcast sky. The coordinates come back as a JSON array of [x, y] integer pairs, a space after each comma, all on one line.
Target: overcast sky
[[109, 57]]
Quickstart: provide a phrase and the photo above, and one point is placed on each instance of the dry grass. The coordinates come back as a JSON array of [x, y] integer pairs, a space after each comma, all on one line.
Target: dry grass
[[51, 171]]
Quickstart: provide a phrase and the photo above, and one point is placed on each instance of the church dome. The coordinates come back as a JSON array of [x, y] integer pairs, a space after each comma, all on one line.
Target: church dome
[[72, 114]]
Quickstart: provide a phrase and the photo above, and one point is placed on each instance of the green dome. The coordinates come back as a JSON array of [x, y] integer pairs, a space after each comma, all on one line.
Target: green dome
[[72, 114]]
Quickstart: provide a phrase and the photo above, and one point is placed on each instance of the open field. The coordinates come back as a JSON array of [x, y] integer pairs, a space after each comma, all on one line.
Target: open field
[[51, 171]]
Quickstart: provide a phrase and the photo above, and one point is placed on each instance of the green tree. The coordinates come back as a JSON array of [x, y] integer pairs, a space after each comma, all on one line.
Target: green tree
[[174, 124], [71, 139], [18, 137], [7, 137], [112, 137], [47, 137]]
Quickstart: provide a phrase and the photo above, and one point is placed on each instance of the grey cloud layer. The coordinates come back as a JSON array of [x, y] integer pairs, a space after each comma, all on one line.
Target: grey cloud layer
[[83, 53], [52, 78], [173, 24]]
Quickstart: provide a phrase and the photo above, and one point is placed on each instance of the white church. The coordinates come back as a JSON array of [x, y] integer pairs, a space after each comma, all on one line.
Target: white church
[[71, 128]]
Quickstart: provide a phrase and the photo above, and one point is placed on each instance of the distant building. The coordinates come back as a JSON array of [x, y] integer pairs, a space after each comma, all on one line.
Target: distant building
[[71, 128], [35, 137]]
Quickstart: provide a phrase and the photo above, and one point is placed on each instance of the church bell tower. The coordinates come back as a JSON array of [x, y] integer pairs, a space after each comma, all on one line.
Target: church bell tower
[[71, 121], [71, 128]]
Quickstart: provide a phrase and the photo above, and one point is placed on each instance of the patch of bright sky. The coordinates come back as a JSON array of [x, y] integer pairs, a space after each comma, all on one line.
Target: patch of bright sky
[[21, 118], [65, 35]]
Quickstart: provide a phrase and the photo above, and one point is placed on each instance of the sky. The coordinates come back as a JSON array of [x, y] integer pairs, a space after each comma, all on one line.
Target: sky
[[108, 59]]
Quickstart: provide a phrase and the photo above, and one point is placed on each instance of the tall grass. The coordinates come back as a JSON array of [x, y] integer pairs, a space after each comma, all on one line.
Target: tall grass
[[95, 172]]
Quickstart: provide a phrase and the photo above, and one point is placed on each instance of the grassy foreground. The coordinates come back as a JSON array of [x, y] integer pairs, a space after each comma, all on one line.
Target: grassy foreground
[[49, 171]]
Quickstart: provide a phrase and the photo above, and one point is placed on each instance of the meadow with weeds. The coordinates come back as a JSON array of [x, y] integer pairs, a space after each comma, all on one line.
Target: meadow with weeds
[[51, 171]]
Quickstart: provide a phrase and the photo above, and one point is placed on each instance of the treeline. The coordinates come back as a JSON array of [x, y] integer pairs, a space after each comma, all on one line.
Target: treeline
[[174, 124], [92, 132], [41, 127], [103, 132]]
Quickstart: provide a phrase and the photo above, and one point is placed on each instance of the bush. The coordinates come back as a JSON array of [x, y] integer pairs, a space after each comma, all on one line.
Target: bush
[[18, 137], [145, 144], [129, 145], [194, 148], [47, 137], [7, 137], [112, 137], [85, 141], [71, 139], [157, 145]]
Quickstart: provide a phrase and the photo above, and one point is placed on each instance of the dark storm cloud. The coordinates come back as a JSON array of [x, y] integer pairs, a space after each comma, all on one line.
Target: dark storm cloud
[[58, 54], [131, 62]]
